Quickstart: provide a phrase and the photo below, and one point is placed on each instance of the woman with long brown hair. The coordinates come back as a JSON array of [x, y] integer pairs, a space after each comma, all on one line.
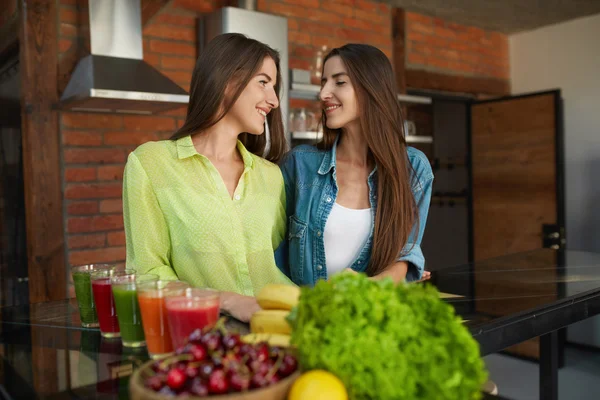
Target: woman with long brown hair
[[205, 206], [359, 200]]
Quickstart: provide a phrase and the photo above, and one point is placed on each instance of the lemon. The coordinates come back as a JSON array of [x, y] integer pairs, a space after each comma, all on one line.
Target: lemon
[[318, 385]]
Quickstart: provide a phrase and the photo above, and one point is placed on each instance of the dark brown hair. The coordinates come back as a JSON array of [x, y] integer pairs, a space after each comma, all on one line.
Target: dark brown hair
[[382, 125], [231, 59]]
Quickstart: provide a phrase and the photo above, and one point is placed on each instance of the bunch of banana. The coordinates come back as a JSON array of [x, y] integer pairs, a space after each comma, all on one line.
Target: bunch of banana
[[269, 324]]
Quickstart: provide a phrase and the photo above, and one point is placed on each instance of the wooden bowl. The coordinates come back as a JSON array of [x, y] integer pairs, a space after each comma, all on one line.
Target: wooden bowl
[[278, 391]]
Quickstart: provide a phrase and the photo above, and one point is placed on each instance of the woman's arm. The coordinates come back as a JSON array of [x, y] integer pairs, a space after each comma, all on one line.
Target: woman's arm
[[146, 232]]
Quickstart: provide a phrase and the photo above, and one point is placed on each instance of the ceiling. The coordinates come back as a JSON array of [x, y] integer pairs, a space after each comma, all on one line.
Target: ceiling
[[508, 16]]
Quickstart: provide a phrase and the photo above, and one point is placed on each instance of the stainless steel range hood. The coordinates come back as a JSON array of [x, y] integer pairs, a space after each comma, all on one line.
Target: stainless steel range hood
[[114, 77]]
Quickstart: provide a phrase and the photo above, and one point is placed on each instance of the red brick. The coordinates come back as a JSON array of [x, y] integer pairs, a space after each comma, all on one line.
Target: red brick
[[299, 37], [299, 64], [65, 45], [420, 28], [316, 28], [411, 16], [328, 42], [336, 7], [304, 3], [302, 51], [293, 24], [116, 238], [415, 58], [152, 59], [68, 15], [98, 155], [176, 112], [91, 121], [110, 173], [202, 6], [352, 35], [374, 17], [444, 32], [82, 208], [128, 138], [180, 122], [161, 46], [94, 224], [75, 191], [417, 37], [184, 33], [288, 10], [108, 254], [449, 54], [111, 206], [175, 19], [81, 138], [325, 17], [178, 63], [68, 30], [92, 241], [149, 123], [179, 77], [80, 174], [366, 6]]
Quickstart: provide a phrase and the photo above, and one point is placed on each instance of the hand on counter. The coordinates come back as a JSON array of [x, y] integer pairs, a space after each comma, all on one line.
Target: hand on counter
[[239, 306]]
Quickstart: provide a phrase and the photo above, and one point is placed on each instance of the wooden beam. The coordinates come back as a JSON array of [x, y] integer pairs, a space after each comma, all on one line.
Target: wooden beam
[[152, 7], [398, 47], [421, 79], [41, 150]]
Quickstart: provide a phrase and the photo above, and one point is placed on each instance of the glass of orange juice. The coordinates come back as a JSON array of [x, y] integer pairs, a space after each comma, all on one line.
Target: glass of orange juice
[[154, 314]]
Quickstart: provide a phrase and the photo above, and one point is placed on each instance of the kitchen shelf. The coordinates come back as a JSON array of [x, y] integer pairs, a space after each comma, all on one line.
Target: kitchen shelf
[[419, 139], [308, 135], [305, 91]]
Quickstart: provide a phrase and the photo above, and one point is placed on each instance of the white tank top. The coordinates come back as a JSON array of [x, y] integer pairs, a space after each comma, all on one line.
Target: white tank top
[[346, 232]]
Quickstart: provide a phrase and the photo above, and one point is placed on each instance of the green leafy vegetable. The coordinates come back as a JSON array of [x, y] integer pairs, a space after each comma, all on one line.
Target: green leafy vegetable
[[385, 341]]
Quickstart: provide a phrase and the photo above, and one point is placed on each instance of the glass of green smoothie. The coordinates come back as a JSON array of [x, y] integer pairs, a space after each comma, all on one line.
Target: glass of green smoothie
[[83, 292], [128, 309]]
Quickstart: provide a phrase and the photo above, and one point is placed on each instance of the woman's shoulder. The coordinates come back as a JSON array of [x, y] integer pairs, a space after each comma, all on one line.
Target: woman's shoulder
[[156, 150], [420, 165], [304, 154]]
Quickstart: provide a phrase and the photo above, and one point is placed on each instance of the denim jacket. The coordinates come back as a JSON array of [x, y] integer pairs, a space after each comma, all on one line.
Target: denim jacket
[[311, 190]]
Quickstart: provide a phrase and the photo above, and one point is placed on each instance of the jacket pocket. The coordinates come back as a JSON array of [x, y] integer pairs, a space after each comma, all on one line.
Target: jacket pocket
[[297, 243]]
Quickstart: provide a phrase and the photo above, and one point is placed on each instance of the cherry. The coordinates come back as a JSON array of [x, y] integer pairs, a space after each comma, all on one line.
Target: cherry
[[212, 341], [198, 352], [176, 379], [258, 381], [260, 368], [231, 340], [191, 371], [199, 388], [183, 349], [195, 337], [155, 382], [167, 391], [239, 382], [217, 383], [205, 370], [262, 352], [288, 365]]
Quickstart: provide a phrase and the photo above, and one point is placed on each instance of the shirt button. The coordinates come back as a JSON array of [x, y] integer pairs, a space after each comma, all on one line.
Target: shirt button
[[237, 197], [359, 261], [318, 233], [319, 267], [329, 199]]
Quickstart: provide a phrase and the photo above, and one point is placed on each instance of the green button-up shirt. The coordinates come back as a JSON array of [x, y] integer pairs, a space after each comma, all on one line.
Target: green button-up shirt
[[180, 220]]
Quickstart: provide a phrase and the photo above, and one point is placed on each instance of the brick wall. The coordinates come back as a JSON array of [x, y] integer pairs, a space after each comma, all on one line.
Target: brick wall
[[437, 45]]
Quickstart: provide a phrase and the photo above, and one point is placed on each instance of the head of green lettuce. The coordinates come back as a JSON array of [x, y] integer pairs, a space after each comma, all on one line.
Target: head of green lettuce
[[386, 341]]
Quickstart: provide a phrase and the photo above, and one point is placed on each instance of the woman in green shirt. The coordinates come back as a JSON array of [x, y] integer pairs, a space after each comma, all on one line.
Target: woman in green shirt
[[204, 206]]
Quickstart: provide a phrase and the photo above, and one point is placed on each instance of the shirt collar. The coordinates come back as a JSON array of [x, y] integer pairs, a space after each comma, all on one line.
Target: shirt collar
[[186, 149], [328, 162]]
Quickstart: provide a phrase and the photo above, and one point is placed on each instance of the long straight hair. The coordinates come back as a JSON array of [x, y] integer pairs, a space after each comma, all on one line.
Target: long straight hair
[[221, 74], [382, 124]]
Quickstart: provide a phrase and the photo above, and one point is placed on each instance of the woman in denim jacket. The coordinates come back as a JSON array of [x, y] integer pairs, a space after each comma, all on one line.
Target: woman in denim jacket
[[358, 201]]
